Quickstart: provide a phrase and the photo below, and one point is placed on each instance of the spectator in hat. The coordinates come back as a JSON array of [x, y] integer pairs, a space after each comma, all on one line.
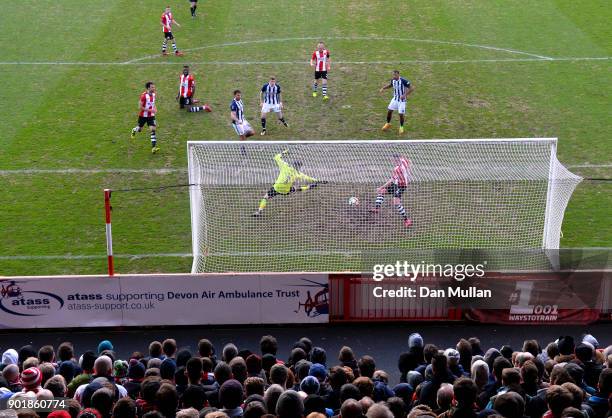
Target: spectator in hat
[[230, 398], [454, 364], [480, 374], [10, 356], [310, 385], [31, 379], [135, 375]]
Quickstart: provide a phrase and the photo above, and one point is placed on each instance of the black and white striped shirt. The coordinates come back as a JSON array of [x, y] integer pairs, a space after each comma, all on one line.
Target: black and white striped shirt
[[271, 94], [238, 107], [399, 88]]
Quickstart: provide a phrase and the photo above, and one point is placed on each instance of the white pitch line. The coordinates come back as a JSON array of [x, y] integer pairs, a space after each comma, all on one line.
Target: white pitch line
[[407, 62], [92, 257], [351, 38], [93, 171], [590, 166]]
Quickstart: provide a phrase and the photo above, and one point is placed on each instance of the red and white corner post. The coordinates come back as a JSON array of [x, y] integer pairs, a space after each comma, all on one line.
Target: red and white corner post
[[109, 233]]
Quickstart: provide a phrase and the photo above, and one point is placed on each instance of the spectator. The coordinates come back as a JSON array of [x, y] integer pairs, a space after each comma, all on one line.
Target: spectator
[[351, 409], [254, 386], [398, 407], [239, 369], [169, 348], [510, 405], [10, 356], [465, 354], [194, 396], [366, 366], [268, 345], [430, 387], [347, 358], [379, 411], [289, 405], [166, 399], [57, 385], [365, 386], [230, 398], [557, 398], [444, 398], [31, 379], [599, 402], [318, 355], [278, 375], [255, 410], [480, 374], [102, 401]]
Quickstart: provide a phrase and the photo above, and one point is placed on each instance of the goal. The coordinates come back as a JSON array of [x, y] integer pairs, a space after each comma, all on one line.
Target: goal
[[461, 194]]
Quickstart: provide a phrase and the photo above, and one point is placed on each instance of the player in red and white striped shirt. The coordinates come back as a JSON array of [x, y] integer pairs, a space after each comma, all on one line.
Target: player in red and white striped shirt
[[395, 186], [147, 113], [186, 92], [321, 61], [166, 21]]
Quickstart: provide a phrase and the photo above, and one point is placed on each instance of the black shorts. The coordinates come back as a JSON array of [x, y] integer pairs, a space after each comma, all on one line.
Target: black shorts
[[272, 192], [185, 101], [149, 120], [395, 190], [320, 74], [168, 35]]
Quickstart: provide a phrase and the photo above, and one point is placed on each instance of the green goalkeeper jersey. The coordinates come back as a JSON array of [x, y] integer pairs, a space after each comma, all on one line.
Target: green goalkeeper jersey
[[287, 176]]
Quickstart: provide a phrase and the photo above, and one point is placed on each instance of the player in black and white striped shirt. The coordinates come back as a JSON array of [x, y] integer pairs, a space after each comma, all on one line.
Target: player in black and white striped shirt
[[271, 100], [402, 88]]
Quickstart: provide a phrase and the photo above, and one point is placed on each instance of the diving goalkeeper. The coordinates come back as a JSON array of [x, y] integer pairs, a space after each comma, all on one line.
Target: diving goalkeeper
[[288, 175]]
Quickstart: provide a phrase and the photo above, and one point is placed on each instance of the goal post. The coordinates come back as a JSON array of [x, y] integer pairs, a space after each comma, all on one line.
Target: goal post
[[461, 194]]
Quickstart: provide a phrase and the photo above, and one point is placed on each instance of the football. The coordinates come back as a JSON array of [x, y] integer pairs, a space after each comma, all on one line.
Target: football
[[353, 201]]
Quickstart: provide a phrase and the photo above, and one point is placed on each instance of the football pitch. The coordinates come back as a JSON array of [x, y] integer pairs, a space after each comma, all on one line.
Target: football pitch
[[71, 73]]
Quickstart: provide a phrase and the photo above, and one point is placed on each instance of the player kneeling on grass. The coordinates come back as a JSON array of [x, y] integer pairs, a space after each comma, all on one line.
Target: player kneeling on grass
[[284, 184], [395, 186], [239, 122], [401, 90], [186, 92], [147, 114], [271, 101]]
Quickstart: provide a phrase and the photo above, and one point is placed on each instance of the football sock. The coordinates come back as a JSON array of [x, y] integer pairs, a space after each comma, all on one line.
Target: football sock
[[283, 121], [153, 139], [402, 120], [263, 123], [324, 89], [174, 46], [192, 10], [388, 118], [196, 108], [262, 204], [164, 45], [136, 129], [402, 211], [314, 86], [379, 201]]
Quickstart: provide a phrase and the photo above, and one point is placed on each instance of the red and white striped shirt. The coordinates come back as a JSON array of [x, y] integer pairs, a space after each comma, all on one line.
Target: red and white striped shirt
[[320, 58], [401, 172], [187, 85], [147, 100], [166, 21]]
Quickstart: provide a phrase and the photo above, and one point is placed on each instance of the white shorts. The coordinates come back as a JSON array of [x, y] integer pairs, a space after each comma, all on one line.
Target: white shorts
[[397, 105], [242, 128], [266, 107]]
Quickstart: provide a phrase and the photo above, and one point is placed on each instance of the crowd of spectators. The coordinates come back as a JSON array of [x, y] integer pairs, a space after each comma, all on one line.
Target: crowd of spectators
[[566, 378]]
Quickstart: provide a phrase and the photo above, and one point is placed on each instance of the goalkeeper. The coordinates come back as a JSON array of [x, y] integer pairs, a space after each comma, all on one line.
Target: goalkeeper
[[288, 175]]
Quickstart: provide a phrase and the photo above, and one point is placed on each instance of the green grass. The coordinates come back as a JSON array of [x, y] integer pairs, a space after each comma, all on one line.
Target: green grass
[[79, 116]]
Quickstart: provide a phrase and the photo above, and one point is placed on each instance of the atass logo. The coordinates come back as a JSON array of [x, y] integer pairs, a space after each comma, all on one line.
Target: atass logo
[[15, 301]]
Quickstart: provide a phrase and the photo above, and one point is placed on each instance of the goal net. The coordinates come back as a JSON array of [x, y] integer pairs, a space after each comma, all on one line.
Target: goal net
[[461, 194]]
